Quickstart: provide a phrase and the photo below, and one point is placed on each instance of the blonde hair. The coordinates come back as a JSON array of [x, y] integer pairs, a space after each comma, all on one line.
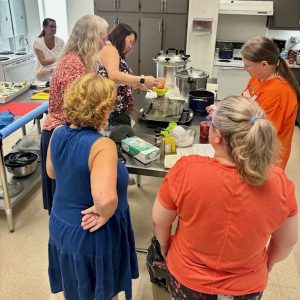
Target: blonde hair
[[84, 40], [89, 100], [259, 49], [251, 139]]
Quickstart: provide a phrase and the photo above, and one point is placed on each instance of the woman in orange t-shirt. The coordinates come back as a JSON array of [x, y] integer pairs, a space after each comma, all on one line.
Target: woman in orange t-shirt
[[274, 88], [228, 207]]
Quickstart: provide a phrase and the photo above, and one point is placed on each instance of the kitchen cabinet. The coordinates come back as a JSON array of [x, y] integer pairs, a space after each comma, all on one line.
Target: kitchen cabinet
[[18, 17], [6, 29], [116, 5], [286, 15], [130, 19], [167, 6], [160, 24], [163, 32]]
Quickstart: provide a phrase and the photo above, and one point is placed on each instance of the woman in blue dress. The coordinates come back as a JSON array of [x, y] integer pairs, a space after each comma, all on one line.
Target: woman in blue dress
[[91, 242]]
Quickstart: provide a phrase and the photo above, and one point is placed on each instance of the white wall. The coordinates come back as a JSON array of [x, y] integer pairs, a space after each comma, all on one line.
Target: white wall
[[201, 47], [77, 9], [56, 9]]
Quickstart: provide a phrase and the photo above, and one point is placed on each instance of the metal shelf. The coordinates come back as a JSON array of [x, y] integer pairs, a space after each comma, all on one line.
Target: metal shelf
[[28, 183]]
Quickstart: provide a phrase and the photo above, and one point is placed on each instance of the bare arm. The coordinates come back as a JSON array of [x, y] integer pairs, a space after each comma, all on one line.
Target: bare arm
[[162, 220], [41, 57], [103, 165], [110, 59], [49, 165], [282, 241]]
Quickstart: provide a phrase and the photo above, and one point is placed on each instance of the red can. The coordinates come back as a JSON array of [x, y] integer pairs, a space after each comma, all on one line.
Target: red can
[[204, 132]]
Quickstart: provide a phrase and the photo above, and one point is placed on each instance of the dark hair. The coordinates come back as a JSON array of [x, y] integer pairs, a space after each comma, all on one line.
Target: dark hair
[[118, 35], [45, 24], [262, 48]]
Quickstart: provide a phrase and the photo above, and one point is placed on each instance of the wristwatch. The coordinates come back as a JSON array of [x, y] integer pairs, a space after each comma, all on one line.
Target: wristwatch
[[142, 79]]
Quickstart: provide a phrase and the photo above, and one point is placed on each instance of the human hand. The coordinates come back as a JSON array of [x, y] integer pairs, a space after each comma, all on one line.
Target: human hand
[[91, 220], [211, 108], [151, 81]]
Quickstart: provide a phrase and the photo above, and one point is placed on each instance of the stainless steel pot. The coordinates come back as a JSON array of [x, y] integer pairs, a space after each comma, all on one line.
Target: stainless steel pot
[[21, 164], [298, 58], [189, 80], [167, 64]]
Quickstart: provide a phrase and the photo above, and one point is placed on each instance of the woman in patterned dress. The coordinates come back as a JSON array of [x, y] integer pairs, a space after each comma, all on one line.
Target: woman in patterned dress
[[121, 41], [79, 57]]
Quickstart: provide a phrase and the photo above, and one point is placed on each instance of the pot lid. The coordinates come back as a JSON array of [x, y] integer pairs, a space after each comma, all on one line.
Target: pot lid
[[172, 56], [191, 73]]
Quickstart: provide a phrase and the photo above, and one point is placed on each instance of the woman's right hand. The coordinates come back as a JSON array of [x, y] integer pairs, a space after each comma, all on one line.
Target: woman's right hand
[[91, 220], [211, 108]]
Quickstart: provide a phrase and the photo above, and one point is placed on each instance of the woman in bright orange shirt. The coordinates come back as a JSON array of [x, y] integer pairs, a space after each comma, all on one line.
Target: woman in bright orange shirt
[[274, 88], [237, 214]]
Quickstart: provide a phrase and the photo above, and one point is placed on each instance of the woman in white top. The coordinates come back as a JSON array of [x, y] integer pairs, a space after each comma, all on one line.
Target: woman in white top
[[47, 48]]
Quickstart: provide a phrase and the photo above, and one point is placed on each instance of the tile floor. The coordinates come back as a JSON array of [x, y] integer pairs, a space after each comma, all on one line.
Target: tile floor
[[23, 254]]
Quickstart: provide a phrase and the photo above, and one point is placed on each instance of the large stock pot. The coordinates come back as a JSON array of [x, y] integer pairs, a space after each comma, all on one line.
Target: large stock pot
[[167, 64], [189, 80]]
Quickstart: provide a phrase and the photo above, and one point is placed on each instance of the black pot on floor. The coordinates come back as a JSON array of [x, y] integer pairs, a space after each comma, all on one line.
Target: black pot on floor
[[200, 99]]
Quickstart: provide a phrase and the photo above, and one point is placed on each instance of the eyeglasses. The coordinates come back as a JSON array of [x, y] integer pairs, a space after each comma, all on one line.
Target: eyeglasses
[[210, 121]]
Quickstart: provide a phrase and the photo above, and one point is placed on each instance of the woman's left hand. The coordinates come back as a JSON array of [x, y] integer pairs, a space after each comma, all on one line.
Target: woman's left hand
[[91, 220]]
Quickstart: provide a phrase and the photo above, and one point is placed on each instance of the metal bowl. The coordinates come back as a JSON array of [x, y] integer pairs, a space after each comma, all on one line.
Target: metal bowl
[[23, 171]]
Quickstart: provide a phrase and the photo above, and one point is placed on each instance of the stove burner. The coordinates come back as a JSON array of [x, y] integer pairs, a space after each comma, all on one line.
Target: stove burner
[[237, 58], [21, 53], [224, 60], [3, 58], [6, 52]]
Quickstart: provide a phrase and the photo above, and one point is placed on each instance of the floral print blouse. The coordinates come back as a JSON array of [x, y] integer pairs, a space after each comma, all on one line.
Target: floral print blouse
[[69, 68]]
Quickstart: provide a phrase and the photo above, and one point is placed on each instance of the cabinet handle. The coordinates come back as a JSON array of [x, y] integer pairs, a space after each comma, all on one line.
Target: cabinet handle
[[115, 4], [165, 4], [115, 22], [162, 4], [118, 1], [164, 25], [118, 21], [160, 26]]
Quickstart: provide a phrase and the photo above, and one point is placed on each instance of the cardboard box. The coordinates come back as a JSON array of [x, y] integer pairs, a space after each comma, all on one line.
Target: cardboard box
[[140, 149]]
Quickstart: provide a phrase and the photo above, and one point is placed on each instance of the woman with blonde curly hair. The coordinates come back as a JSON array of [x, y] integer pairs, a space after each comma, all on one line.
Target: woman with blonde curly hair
[[91, 242], [79, 57], [237, 213]]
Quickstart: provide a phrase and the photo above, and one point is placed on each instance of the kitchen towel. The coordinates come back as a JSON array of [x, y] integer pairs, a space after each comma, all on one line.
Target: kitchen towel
[[19, 108]]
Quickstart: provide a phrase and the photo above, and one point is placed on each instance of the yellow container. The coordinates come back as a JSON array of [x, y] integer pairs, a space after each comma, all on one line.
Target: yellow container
[[169, 144]]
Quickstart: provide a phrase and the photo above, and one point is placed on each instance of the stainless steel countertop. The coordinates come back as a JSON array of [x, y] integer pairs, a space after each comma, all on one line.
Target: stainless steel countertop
[[145, 130]]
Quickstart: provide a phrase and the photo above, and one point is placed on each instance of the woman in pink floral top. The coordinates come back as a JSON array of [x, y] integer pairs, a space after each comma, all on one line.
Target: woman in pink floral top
[[80, 56]]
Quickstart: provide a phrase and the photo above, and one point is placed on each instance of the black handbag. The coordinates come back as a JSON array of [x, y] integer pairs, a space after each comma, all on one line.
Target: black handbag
[[156, 265]]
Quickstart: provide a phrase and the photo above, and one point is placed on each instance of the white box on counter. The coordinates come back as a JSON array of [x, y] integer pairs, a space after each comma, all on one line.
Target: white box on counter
[[140, 149]]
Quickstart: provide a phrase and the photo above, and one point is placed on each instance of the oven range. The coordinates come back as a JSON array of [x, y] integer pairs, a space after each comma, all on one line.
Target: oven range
[[17, 66]]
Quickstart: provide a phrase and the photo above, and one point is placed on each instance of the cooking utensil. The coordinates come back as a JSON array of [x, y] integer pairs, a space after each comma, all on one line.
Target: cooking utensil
[[189, 80], [225, 53], [21, 164], [167, 64], [200, 99], [298, 58]]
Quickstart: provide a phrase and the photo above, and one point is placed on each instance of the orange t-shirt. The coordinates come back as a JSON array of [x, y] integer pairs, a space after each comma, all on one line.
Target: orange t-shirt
[[279, 101], [224, 225]]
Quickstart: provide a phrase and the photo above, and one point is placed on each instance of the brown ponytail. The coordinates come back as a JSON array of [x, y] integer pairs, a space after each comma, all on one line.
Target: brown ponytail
[[261, 48]]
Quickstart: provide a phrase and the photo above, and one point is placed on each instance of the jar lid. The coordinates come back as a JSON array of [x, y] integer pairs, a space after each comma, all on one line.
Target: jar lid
[[191, 73]]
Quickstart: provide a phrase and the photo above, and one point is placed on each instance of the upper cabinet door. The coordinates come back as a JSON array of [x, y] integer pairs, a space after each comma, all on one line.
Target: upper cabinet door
[[18, 17], [174, 32], [150, 44], [286, 15], [117, 5], [5, 20], [168, 6]]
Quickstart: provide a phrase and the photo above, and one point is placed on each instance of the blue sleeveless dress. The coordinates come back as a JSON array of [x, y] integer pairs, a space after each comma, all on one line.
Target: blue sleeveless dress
[[87, 265]]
